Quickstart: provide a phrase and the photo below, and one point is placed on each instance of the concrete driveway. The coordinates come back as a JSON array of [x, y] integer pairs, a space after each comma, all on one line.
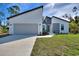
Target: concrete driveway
[[17, 45]]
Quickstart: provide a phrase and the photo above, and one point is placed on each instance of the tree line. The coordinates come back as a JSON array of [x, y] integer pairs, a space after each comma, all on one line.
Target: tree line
[[73, 21], [74, 25], [12, 10]]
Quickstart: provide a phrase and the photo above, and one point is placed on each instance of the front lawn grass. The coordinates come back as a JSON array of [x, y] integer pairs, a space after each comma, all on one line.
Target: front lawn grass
[[58, 45]]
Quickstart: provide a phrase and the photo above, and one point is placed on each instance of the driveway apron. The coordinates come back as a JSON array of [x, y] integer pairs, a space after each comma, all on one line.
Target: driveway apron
[[22, 47]]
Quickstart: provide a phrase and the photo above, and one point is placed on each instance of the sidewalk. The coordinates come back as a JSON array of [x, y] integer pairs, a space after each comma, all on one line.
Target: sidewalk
[[45, 36]]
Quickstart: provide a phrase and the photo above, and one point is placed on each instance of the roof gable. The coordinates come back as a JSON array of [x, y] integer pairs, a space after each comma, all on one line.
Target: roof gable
[[47, 20], [25, 12], [60, 18]]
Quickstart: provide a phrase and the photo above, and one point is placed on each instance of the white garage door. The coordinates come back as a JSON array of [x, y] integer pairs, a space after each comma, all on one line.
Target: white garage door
[[29, 29]]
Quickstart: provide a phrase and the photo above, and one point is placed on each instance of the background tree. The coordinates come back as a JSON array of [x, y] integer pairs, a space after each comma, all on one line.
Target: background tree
[[75, 10], [1, 17], [74, 21], [3, 28], [13, 10], [68, 16]]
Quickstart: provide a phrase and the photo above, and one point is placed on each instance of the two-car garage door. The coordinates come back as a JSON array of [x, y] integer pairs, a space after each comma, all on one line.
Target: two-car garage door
[[28, 29]]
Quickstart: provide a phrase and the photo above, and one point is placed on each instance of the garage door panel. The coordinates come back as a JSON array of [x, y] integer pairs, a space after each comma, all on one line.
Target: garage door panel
[[26, 29]]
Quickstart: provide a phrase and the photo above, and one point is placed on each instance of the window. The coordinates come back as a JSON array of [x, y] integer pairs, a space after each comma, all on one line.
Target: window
[[48, 28], [62, 26]]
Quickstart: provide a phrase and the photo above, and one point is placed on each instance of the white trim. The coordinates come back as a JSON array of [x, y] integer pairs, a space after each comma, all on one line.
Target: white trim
[[11, 28]]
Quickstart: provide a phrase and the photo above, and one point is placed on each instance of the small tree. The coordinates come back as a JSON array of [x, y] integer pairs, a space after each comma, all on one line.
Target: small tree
[[76, 19], [73, 27]]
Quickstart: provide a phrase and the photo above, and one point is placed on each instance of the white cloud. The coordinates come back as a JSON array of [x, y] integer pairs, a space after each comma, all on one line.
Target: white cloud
[[59, 9], [48, 9]]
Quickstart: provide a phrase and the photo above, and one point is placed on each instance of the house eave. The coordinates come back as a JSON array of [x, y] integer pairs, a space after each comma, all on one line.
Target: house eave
[[60, 19], [24, 12]]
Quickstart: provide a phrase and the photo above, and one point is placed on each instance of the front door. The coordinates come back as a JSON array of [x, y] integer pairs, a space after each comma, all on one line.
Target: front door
[[56, 28]]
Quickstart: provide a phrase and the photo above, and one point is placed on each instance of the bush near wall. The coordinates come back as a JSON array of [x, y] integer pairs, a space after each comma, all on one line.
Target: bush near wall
[[3, 29], [73, 27]]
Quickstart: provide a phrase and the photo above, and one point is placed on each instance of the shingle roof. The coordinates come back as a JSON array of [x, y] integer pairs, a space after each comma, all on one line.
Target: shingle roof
[[25, 12], [47, 20], [60, 18]]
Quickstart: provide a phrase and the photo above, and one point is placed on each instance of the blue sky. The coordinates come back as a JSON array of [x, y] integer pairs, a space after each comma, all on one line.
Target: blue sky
[[50, 9], [23, 7], [60, 9], [28, 6]]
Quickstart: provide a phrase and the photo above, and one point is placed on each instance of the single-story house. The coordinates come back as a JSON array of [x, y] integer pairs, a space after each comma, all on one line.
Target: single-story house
[[55, 25], [28, 22], [31, 22]]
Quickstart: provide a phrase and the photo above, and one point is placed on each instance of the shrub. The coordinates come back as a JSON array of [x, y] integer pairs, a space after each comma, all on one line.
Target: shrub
[[4, 29], [73, 27]]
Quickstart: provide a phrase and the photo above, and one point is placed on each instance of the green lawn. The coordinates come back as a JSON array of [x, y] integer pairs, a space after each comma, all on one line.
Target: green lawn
[[58, 45]]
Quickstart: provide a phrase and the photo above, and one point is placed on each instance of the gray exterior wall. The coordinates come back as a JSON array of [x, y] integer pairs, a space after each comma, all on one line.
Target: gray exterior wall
[[32, 17]]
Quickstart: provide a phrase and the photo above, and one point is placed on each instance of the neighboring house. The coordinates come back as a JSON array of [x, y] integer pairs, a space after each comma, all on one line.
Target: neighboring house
[[32, 23], [28, 22], [55, 25]]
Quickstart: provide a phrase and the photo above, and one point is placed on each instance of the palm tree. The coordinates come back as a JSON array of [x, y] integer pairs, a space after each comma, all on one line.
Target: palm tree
[[13, 10], [1, 17], [75, 10]]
